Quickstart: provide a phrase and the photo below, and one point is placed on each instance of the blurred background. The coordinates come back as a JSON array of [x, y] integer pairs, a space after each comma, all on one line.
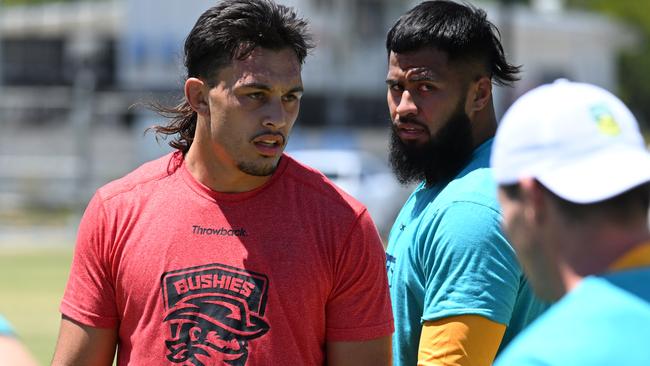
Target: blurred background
[[74, 76]]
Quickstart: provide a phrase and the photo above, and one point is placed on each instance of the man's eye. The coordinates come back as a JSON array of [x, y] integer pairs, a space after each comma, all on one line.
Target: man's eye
[[290, 98], [396, 87], [256, 95], [426, 87]]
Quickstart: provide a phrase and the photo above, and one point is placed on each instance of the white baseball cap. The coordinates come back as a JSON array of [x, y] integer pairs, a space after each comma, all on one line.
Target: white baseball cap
[[579, 140]]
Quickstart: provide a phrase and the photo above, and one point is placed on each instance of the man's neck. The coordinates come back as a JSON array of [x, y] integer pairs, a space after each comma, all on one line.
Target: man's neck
[[484, 126], [209, 168], [593, 249], [219, 178]]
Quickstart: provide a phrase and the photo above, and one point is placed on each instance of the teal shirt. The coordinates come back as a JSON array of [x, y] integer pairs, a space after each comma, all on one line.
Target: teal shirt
[[5, 327], [447, 256], [604, 321]]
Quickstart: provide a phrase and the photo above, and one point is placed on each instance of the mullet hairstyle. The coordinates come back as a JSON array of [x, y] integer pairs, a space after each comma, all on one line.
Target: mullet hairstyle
[[223, 33], [462, 31]]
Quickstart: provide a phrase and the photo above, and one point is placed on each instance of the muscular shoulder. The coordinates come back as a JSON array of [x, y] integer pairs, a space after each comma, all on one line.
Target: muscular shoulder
[[465, 216], [465, 202], [476, 187], [142, 176], [315, 188]]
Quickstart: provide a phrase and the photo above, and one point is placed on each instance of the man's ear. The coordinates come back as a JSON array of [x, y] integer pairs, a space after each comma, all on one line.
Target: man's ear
[[480, 95], [196, 93], [534, 200]]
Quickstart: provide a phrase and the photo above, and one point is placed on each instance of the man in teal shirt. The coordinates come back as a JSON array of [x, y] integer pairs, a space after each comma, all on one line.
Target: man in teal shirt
[[573, 173], [458, 292]]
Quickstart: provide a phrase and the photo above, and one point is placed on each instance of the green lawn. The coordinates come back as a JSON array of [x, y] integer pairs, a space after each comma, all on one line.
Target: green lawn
[[31, 286]]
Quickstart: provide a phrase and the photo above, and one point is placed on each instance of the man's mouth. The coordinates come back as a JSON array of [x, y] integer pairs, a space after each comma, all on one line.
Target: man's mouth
[[269, 144], [410, 131]]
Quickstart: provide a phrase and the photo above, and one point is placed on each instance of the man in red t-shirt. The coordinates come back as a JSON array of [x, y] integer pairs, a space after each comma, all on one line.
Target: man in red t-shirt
[[228, 251]]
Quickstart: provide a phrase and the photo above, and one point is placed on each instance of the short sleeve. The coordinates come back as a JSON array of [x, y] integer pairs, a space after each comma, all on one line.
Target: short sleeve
[[469, 267], [89, 296], [359, 308]]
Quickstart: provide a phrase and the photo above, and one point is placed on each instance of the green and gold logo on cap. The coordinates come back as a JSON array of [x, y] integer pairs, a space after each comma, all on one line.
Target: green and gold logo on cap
[[605, 121]]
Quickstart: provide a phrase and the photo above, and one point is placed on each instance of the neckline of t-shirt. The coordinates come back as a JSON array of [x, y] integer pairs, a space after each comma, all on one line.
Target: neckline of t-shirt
[[212, 195], [638, 257]]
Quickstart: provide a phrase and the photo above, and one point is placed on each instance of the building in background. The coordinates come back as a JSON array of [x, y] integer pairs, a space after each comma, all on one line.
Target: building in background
[[136, 46], [70, 72]]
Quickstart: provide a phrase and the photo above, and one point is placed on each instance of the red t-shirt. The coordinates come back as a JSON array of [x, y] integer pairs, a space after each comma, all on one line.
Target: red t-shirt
[[196, 277]]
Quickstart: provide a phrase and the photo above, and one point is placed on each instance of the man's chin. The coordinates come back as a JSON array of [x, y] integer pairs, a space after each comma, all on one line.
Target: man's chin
[[413, 146], [435, 158], [261, 169], [413, 142]]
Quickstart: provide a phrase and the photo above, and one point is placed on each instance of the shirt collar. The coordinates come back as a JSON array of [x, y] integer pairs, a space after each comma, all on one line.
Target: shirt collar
[[638, 256]]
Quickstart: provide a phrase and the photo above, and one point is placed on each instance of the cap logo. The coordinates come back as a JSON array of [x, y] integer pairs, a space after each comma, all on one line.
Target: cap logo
[[604, 119]]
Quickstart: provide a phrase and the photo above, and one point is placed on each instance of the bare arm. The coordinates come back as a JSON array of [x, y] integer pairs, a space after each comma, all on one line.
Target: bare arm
[[460, 341], [80, 344], [376, 352]]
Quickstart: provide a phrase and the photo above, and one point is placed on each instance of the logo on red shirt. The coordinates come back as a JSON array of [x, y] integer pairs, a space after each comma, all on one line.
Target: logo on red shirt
[[213, 312]]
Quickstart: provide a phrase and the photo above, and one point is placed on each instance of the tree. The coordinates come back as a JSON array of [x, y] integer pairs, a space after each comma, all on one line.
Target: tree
[[31, 2], [634, 65]]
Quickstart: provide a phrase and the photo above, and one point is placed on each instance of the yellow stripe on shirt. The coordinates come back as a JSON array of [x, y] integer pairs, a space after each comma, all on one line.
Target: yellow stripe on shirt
[[639, 256], [464, 340]]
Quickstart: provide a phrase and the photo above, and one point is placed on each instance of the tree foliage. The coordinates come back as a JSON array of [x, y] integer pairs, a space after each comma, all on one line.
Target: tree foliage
[[32, 2], [634, 65]]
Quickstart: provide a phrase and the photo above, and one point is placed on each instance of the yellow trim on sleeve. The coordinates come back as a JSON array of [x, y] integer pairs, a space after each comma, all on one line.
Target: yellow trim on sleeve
[[637, 257], [464, 340]]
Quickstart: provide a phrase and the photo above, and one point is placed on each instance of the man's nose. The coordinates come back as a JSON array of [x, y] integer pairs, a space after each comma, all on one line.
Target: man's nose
[[406, 105], [276, 116]]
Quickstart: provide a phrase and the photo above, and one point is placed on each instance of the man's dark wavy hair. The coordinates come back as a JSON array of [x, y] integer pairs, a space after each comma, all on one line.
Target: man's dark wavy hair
[[231, 30], [462, 31]]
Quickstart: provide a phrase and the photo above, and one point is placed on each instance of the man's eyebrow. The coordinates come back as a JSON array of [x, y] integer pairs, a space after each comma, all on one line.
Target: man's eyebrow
[[422, 75], [254, 85], [296, 89]]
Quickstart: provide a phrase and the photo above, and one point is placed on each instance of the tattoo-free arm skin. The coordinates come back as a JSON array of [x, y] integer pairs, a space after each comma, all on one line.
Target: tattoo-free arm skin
[[376, 352], [79, 344]]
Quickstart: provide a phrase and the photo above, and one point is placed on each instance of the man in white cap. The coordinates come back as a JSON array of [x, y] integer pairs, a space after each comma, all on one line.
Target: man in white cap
[[573, 175]]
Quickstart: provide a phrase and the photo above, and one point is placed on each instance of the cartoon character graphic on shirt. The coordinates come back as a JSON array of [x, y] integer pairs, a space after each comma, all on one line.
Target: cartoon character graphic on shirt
[[213, 312]]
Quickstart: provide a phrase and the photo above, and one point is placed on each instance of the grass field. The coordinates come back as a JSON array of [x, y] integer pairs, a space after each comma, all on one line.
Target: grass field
[[31, 285]]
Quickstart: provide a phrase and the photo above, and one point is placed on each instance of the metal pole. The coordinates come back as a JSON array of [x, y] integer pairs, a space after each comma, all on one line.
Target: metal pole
[[3, 122], [2, 37], [82, 115], [83, 54], [506, 14], [2, 40]]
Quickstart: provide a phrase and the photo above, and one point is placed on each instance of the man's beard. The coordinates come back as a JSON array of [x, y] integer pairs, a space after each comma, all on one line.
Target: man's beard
[[439, 159], [258, 170]]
